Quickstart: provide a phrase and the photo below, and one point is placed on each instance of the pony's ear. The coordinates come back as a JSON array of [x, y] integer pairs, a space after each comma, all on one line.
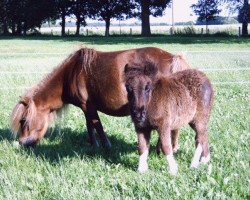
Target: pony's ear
[[24, 100], [150, 69]]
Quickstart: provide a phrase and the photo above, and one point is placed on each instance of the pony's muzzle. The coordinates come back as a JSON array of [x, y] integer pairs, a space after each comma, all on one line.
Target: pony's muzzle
[[28, 142]]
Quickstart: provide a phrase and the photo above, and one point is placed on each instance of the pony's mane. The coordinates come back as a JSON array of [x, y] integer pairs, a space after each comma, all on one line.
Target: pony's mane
[[26, 107], [84, 57]]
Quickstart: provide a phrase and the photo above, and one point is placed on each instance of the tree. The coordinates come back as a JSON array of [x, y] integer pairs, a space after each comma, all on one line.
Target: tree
[[108, 9], [206, 10], [63, 10], [23, 15], [145, 9], [244, 17], [242, 7], [80, 9]]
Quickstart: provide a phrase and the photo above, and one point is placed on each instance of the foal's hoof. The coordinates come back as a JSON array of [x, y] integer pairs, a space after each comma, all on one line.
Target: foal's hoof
[[175, 148], [142, 169]]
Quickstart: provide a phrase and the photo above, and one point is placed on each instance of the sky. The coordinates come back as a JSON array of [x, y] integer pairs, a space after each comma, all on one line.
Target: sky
[[182, 13]]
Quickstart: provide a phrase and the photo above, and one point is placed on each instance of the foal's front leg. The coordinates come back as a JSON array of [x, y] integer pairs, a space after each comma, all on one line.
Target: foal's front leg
[[143, 148], [166, 145]]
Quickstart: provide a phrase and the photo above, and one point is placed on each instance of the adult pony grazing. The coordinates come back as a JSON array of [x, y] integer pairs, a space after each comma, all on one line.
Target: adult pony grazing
[[89, 79], [166, 104]]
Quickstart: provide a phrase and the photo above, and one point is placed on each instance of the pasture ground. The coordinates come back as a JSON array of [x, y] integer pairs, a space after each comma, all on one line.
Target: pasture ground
[[65, 166]]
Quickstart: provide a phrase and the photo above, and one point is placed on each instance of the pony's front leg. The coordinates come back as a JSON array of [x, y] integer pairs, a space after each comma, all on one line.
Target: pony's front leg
[[143, 149], [95, 123], [91, 132], [166, 145]]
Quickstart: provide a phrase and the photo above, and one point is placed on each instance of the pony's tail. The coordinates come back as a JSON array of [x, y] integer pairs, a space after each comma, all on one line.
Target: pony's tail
[[179, 63]]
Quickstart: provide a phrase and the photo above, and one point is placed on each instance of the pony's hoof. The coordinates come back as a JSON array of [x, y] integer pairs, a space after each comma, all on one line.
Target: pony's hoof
[[142, 169], [206, 159]]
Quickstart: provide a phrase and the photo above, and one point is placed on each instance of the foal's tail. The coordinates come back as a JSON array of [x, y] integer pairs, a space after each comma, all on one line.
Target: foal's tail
[[179, 63]]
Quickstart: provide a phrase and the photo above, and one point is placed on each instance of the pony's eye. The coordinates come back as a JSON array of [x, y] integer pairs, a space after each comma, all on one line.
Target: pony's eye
[[22, 121], [147, 88]]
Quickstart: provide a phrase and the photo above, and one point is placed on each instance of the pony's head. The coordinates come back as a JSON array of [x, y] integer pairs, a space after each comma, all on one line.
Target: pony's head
[[28, 122], [139, 84]]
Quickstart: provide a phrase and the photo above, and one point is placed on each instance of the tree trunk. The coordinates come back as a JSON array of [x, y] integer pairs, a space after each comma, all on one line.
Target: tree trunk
[[145, 13], [25, 28], [63, 22], [107, 21], [245, 18], [19, 28], [206, 26], [13, 28], [78, 24], [5, 27], [244, 28]]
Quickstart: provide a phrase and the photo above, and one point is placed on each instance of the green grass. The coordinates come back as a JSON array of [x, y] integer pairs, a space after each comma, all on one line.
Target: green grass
[[65, 166]]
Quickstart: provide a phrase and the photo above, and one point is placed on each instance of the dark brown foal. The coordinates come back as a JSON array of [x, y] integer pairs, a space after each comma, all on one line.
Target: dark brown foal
[[166, 104]]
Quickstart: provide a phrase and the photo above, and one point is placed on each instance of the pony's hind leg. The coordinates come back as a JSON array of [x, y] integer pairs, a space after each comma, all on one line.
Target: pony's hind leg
[[201, 143]]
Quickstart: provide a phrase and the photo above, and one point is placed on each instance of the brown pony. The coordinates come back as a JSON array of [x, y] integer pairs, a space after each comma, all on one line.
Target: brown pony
[[89, 79], [166, 104]]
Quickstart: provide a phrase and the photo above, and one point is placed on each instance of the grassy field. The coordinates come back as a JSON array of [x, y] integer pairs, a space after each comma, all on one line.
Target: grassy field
[[65, 166]]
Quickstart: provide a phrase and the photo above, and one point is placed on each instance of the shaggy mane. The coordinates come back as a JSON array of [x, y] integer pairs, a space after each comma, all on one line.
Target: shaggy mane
[[26, 108]]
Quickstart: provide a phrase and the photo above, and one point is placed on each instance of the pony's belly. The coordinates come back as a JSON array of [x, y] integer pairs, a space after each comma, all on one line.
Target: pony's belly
[[119, 112]]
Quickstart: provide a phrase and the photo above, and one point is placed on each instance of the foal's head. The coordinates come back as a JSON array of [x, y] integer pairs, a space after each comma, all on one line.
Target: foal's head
[[139, 84], [28, 122]]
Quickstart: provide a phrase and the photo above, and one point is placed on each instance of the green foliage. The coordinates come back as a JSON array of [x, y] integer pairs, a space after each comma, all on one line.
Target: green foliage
[[189, 30], [206, 9], [65, 166]]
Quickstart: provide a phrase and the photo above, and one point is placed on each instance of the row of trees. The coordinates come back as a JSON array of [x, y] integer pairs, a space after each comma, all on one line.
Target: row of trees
[[207, 10], [22, 15], [19, 16]]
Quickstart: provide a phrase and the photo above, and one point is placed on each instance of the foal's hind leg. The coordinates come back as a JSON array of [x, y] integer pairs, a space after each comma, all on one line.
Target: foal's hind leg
[[201, 143], [174, 138]]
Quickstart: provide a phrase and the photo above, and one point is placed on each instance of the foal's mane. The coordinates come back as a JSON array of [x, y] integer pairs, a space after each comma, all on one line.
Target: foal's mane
[[26, 108]]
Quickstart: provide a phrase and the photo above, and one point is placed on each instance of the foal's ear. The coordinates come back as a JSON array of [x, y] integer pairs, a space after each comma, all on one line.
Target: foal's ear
[[150, 69], [126, 68]]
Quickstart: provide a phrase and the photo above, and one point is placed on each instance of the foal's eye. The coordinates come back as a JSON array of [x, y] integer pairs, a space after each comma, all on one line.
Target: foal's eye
[[147, 88], [128, 88]]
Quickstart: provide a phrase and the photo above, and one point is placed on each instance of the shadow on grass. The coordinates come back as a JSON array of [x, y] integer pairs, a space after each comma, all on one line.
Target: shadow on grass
[[156, 39], [75, 144]]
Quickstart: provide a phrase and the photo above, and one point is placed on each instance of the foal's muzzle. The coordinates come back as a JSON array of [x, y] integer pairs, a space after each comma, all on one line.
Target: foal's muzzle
[[139, 115]]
